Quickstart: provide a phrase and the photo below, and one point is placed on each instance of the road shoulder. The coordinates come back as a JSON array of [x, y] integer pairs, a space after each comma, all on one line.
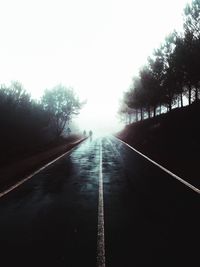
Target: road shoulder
[[14, 173]]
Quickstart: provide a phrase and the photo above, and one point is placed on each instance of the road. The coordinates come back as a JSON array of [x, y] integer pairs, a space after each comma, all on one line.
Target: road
[[143, 217]]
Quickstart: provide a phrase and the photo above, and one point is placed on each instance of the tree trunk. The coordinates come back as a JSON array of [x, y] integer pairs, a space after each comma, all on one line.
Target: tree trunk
[[141, 114], [149, 112], [136, 115], [129, 116], [170, 106], [196, 93], [190, 94], [181, 97], [154, 111]]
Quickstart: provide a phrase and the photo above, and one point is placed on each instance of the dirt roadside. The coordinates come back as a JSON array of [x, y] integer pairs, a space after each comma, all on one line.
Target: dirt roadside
[[15, 172], [171, 139]]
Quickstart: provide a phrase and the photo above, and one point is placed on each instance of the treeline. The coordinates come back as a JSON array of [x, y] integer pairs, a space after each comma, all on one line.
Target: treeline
[[25, 123], [171, 75]]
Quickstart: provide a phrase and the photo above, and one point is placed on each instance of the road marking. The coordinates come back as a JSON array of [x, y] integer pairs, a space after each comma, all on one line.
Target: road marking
[[34, 173], [164, 169], [100, 235]]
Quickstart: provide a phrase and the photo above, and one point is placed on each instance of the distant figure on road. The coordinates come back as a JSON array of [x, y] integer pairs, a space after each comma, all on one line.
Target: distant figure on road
[[84, 132], [68, 131], [90, 134]]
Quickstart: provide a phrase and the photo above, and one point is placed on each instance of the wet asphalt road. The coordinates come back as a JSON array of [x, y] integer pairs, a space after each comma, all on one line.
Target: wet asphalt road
[[150, 219]]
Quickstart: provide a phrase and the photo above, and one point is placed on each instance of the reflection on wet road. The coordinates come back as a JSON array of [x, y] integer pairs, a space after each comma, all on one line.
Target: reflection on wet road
[[149, 218]]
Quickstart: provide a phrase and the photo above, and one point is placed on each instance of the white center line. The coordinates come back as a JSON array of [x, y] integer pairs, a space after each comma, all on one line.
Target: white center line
[[100, 237]]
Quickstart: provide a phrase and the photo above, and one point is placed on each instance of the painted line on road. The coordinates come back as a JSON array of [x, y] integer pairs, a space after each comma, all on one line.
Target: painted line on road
[[34, 173], [100, 234], [164, 169]]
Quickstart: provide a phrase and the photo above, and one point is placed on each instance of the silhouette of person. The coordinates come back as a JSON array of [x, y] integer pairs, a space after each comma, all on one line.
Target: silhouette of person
[[90, 134], [84, 132], [68, 131]]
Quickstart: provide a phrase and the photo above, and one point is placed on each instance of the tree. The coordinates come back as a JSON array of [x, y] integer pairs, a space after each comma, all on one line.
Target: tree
[[173, 71], [177, 63], [192, 46], [135, 98], [62, 104], [192, 18], [156, 65], [23, 121], [150, 87]]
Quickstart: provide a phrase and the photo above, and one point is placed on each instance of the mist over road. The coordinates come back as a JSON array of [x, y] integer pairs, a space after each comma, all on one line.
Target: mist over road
[[102, 205]]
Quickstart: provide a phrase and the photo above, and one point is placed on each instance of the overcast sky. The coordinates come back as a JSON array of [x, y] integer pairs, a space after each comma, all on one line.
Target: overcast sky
[[94, 46]]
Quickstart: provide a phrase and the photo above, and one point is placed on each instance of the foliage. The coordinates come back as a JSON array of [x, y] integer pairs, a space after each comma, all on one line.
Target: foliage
[[27, 124], [61, 103], [172, 72], [22, 120]]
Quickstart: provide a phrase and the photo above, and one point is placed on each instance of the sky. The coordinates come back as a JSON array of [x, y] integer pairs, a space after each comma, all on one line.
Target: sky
[[94, 46]]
